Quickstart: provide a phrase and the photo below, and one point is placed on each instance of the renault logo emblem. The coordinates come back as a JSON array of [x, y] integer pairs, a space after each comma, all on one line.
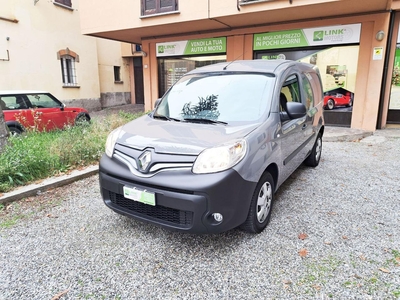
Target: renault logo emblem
[[144, 160]]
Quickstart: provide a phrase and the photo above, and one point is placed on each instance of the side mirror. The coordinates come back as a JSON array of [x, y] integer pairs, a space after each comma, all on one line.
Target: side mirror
[[62, 106], [295, 110]]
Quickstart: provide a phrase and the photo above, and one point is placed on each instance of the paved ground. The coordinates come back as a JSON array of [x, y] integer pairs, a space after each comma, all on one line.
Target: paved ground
[[334, 234]]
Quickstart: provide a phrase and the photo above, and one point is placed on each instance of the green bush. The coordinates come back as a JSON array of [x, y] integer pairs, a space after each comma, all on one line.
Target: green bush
[[35, 156]]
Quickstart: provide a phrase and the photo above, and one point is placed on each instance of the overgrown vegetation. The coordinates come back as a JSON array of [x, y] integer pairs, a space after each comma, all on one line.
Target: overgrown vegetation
[[35, 156]]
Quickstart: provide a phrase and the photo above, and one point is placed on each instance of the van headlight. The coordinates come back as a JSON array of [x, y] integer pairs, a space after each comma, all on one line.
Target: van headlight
[[111, 140], [220, 158]]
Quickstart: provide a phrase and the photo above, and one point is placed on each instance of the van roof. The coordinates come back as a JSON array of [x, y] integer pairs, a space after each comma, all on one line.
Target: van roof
[[256, 65]]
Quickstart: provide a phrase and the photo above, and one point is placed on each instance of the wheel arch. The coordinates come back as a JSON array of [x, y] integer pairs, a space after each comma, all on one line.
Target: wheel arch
[[83, 114], [15, 124], [274, 171]]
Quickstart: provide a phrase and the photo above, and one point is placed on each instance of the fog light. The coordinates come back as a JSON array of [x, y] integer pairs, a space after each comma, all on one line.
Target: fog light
[[218, 217]]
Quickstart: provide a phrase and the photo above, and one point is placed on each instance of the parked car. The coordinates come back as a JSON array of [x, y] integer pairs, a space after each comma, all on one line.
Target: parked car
[[39, 110], [332, 100], [217, 146]]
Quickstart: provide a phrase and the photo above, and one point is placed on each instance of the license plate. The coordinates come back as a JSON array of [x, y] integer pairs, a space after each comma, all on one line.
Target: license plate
[[140, 196]]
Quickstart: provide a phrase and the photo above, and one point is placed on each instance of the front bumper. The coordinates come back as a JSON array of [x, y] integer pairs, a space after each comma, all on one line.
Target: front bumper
[[184, 201]]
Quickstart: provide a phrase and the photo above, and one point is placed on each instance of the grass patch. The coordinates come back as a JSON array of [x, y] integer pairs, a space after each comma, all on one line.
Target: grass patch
[[35, 156]]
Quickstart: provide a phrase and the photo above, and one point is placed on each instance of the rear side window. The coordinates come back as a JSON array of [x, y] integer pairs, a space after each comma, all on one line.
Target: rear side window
[[14, 102], [316, 85], [308, 91]]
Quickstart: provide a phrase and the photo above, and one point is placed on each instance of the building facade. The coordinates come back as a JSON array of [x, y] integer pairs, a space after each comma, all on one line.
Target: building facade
[[352, 42], [42, 48]]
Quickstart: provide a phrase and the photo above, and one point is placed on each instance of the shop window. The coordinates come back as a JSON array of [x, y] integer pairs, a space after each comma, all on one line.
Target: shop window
[[151, 7], [64, 2], [172, 69]]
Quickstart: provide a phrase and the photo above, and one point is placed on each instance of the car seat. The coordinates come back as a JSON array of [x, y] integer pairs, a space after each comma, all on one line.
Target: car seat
[[21, 103], [283, 101], [3, 105]]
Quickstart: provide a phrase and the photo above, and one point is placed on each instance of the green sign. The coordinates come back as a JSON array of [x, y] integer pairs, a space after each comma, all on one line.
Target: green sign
[[192, 47], [330, 35], [279, 40], [205, 46]]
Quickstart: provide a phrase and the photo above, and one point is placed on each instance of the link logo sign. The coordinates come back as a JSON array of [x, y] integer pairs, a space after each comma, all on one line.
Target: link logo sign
[[332, 35], [192, 47]]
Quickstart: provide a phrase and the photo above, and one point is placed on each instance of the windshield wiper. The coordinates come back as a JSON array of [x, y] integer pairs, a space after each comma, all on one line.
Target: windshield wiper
[[208, 121], [166, 118]]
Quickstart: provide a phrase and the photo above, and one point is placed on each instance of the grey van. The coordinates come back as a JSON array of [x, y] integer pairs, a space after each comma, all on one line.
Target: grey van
[[217, 146]]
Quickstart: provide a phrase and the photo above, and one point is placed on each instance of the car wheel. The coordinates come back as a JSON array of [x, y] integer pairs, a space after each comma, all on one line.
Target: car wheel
[[14, 131], [313, 159], [350, 103], [330, 104], [82, 119], [261, 205]]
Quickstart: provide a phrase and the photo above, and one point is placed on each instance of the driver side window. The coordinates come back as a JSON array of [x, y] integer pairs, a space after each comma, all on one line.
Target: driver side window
[[42, 101], [290, 92]]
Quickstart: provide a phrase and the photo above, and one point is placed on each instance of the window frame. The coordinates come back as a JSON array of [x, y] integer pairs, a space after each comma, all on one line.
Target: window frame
[[66, 3], [158, 9], [68, 71], [117, 74]]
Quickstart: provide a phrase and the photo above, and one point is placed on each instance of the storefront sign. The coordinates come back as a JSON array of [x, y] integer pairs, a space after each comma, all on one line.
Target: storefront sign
[[192, 47], [332, 35]]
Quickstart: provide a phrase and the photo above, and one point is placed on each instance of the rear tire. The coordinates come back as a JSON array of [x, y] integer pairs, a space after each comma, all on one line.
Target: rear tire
[[350, 103], [14, 131], [261, 205], [315, 156]]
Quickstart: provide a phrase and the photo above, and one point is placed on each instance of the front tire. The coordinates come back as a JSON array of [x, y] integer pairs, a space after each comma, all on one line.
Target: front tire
[[261, 205], [315, 156], [82, 119], [330, 104]]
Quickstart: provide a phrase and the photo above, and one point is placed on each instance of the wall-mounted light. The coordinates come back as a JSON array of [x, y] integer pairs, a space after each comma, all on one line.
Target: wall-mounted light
[[380, 35]]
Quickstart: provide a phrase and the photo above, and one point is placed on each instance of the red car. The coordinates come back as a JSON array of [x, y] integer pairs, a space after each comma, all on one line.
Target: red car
[[333, 100], [38, 110]]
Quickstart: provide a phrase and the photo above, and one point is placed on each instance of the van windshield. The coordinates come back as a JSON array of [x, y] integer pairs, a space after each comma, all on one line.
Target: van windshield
[[218, 98]]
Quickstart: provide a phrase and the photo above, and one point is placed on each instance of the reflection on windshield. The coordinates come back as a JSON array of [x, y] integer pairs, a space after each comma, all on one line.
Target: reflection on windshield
[[206, 109], [232, 97]]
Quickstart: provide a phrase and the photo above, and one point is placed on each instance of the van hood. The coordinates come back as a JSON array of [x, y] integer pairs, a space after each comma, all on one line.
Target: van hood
[[173, 137]]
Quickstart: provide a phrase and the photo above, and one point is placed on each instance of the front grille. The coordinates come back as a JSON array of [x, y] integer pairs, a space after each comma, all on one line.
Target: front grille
[[159, 212]]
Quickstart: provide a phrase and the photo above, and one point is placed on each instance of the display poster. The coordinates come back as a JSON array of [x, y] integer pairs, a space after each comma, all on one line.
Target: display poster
[[320, 36], [192, 47]]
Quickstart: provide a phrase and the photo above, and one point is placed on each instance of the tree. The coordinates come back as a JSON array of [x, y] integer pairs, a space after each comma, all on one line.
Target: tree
[[3, 131]]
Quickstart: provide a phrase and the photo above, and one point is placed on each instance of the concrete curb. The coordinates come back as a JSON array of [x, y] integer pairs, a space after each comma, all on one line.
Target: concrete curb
[[347, 135], [47, 184]]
